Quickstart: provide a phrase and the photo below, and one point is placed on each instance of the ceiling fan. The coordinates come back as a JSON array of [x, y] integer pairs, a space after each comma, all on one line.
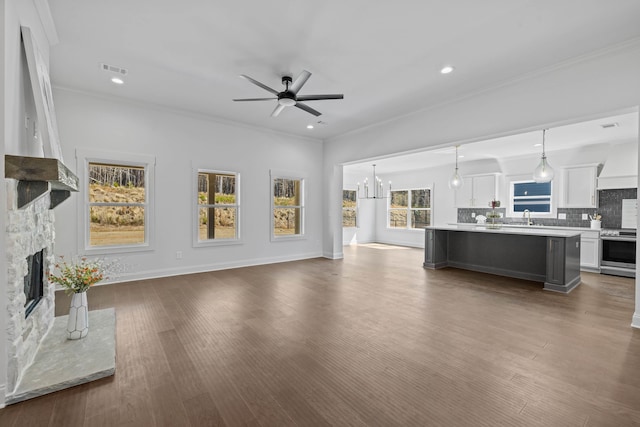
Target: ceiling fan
[[289, 96]]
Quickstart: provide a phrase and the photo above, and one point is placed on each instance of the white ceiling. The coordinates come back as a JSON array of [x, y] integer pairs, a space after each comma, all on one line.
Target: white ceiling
[[384, 56]]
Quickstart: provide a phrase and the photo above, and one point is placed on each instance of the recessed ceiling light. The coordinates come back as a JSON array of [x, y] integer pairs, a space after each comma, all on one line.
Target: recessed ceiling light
[[117, 80], [309, 126], [609, 125], [461, 156], [446, 69], [537, 145]]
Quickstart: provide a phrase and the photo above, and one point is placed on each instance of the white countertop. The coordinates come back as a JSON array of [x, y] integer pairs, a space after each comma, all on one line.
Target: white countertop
[[527, 231], [550, 227]]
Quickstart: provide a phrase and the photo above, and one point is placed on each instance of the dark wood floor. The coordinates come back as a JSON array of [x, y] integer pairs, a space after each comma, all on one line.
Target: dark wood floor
[[373, 339]]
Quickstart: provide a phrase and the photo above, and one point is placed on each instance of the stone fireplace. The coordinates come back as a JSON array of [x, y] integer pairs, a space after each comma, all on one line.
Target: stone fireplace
[[29, 231], [34, 187]]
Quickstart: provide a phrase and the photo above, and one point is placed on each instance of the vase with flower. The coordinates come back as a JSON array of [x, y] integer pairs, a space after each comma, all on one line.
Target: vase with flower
[[76, 276], [493, 215]]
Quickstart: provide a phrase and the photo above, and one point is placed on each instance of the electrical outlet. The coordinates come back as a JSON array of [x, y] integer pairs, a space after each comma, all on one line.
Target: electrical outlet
[[473, 214], [179, 255], [562, 216], [585, 217]]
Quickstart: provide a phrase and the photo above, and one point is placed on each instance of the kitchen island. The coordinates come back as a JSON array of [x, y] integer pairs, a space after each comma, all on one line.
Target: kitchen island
[[543, 255]]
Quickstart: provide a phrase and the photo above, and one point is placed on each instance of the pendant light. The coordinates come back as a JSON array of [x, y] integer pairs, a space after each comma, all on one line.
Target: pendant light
[[456, 182], [544, 172]]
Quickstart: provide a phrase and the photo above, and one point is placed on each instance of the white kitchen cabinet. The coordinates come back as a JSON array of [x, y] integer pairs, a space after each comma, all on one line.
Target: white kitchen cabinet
[[477, 191], [590, 251], [579, 187], [464, 195]]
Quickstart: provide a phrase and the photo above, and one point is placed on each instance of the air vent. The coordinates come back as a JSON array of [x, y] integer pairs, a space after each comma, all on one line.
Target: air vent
[[609, 125], [113, 69]]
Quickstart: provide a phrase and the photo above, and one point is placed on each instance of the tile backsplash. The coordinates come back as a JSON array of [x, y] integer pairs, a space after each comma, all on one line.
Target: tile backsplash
[[610, 202], [574, 217]]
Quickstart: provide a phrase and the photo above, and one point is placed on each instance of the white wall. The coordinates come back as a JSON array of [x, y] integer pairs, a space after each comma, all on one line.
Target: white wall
[[179, 141], [4, 314]]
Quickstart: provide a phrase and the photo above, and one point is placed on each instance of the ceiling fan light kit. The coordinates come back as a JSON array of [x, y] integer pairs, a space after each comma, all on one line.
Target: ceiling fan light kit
[[289, 97]]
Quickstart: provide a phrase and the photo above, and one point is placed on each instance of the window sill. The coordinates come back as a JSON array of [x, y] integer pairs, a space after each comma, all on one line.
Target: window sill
[[288, 238], [213, 243], [117, 249]]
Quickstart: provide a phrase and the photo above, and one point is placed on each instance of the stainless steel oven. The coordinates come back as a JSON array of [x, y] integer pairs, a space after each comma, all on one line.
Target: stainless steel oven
[[618, 252]]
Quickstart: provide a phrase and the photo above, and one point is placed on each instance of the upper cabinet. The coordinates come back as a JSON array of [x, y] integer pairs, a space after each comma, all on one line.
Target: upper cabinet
[[579, 187], [477, 191]]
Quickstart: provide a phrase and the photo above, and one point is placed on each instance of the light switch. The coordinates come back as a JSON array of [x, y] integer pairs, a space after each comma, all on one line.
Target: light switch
[[562, 216], [473, 214], [585, 216]]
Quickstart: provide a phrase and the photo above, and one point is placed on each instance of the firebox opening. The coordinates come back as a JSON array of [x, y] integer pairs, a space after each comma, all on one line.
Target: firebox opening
[[33, 282]]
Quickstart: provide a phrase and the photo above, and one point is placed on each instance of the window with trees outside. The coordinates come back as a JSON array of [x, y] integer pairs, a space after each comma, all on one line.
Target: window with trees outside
[[217, 205], [349, 208], [288, 207], [115, 212], [410, 208]]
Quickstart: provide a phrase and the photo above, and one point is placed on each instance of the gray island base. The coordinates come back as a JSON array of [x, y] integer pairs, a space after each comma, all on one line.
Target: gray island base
[[537, 254]]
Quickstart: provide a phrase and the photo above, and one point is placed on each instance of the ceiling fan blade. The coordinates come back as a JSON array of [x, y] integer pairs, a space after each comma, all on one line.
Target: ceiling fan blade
[[308, 109], [257, 83], [319, 97], [300, 81], [277, 111], [255, 99]]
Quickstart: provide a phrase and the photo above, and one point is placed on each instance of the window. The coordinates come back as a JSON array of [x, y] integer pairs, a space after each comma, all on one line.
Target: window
[[420, 211], [399, 209], [288, 207], [217, 206], [117, 202], [530, 195], [349, 213], [410, 208]]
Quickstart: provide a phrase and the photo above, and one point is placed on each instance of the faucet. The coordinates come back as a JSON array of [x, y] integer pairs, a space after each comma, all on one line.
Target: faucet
[[527, 214]]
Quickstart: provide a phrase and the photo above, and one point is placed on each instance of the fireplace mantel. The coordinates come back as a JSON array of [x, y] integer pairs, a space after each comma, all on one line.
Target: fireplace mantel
[[38, 176]]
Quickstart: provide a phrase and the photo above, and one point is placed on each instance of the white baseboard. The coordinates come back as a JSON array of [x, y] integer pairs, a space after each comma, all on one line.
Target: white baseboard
[[635, 320], [409, 243], [178, 271], [333, 255]]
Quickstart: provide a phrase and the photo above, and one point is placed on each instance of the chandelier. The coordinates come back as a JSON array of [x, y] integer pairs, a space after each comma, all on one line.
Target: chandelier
[[373, 189]]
